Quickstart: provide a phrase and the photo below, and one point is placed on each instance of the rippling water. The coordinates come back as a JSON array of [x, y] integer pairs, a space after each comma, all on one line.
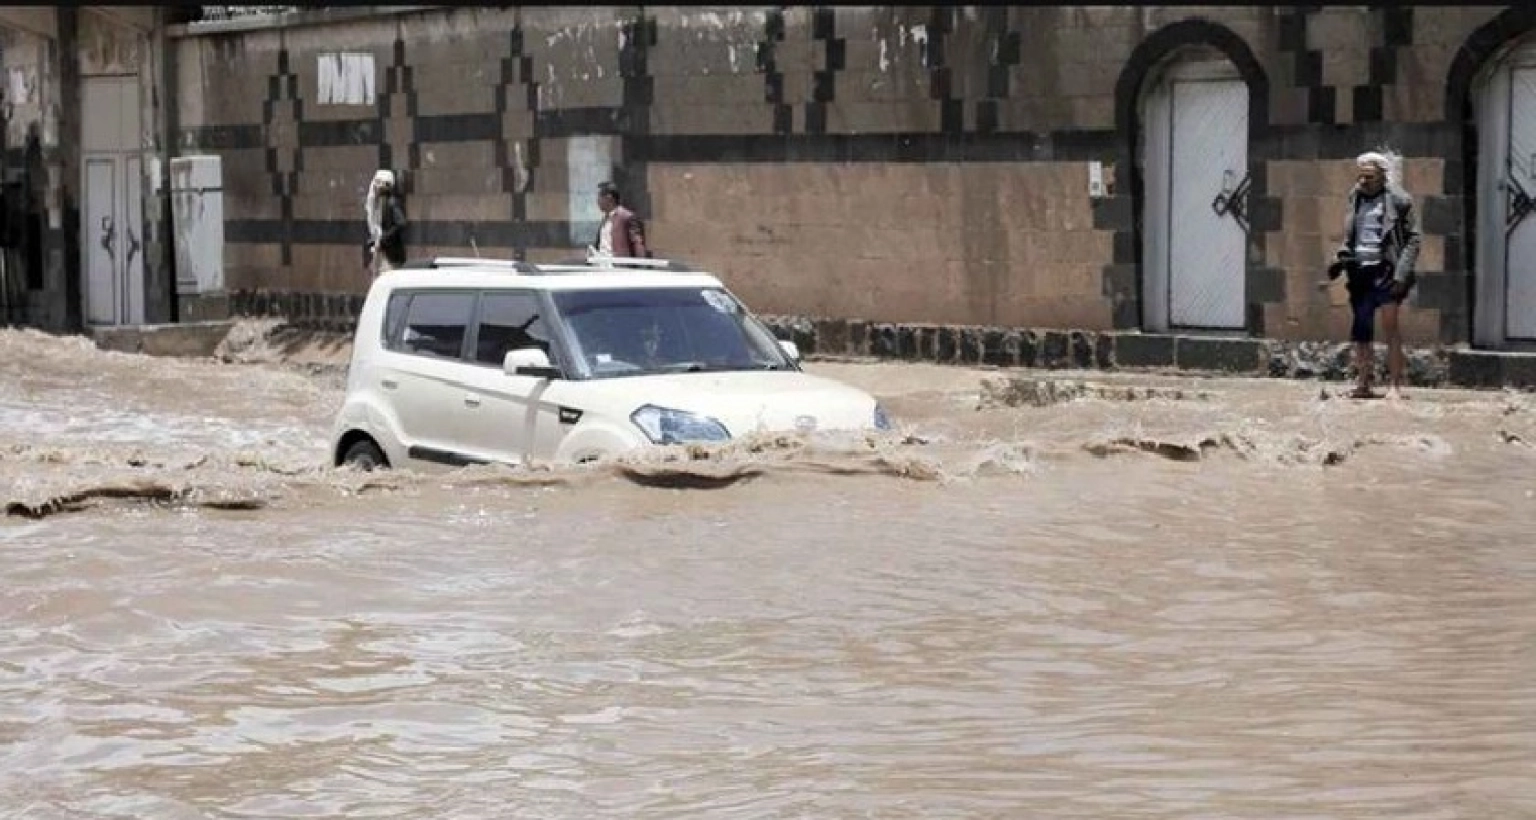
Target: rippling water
[[1229, 599]]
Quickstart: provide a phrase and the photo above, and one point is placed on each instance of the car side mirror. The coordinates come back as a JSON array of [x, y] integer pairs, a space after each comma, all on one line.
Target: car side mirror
[[529, 361], [791, 349]]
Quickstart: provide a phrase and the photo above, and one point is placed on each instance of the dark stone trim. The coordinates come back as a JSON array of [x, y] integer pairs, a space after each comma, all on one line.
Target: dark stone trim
[[282, 89], [69, 100], [519, 235], [219, 137], [1144, 59], [633, 119], [773, 79], [335, 133], [458, 128], [1279, 142], [894, 147]]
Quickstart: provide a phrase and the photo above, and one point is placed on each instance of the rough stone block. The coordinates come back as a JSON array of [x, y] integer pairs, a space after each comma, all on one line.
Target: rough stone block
[[885, 341], [946, 345], [1226, 355], [1476, 368], [906, 342], [972, 345], [1028, 346], [1144, 350], [858, 338], [832, 336], [1519, 370], [1082, 349], [1055, 350], [1104, 351]]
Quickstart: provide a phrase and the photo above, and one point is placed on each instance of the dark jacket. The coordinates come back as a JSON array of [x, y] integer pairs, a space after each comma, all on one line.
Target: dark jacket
[[392, 231], [1399, 233]]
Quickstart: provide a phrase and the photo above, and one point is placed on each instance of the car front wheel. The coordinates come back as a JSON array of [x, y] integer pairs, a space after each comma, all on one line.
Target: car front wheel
[[364, 455]]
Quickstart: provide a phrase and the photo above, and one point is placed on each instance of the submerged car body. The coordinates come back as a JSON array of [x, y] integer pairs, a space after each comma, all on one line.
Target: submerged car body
[[459, 362]]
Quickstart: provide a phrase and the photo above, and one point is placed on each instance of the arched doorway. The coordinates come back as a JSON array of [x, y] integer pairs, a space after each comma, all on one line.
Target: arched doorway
[[1504, 104], [1194, 114]]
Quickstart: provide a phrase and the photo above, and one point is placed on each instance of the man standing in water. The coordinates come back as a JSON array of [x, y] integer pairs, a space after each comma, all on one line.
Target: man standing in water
[[1381, 245]]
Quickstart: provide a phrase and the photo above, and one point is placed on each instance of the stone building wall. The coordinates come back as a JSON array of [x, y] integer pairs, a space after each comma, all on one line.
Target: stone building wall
[[46, 54], [905, 165]]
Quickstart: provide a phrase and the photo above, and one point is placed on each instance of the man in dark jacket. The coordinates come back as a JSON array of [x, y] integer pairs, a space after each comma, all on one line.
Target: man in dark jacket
[[621, 233], [1380, 248]]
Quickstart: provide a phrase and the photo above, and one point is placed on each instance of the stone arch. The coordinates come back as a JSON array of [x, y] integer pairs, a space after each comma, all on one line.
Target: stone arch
[[1481, 50], [1126, 279]]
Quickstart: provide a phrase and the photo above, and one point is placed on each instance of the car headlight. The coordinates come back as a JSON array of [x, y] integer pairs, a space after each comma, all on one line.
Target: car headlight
[[664, 426], [882, 421]]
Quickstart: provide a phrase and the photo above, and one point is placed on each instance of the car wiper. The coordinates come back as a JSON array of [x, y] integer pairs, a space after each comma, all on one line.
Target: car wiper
[[705, 367]]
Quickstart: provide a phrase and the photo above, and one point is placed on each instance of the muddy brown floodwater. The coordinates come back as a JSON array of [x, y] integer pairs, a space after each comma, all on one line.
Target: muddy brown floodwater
[[1070, 595]]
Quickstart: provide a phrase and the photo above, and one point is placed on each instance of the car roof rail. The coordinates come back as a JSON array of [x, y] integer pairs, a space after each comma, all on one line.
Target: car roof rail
[[601, 262], [438, 262]]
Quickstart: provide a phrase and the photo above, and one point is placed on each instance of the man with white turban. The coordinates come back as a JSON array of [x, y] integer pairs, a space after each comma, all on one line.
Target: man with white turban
[[1381, 245], [386, 224]]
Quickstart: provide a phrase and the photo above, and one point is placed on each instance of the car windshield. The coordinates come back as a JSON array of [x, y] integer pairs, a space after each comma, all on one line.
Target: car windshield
[[635, 332]]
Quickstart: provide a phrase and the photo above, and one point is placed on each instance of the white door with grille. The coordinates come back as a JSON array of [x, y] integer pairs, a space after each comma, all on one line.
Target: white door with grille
[[1504, 310], [1519, 224], [112, 228], [1196, 161]]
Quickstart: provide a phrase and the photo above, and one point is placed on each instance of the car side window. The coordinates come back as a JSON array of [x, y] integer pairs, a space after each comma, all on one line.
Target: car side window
[[436, 324], [394, 316], [510, 320]]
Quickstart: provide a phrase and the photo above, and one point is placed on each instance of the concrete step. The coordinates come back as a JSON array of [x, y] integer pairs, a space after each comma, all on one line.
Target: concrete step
[[189, 339]]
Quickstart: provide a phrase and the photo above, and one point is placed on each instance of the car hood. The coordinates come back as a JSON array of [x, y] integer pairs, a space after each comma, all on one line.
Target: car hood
[[745, 402]]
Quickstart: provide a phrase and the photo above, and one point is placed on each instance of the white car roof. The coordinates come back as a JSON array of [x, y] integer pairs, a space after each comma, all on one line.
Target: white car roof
[[454, 272]]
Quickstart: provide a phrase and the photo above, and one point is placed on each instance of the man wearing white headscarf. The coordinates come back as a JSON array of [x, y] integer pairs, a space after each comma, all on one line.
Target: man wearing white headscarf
[[386, 224], [1380, 248]]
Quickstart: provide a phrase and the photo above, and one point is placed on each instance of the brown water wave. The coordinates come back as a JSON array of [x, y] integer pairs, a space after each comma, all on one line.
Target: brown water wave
[[80, 428]]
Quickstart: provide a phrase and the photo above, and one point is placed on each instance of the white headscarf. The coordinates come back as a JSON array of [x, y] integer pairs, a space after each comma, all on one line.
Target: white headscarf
[[371, 210], [1388, 161]]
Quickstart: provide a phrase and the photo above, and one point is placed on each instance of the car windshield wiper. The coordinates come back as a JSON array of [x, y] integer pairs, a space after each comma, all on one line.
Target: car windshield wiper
[[705, 367]]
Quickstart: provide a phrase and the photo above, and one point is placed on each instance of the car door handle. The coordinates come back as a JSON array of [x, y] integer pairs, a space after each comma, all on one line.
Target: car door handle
[[471, 399], [390, 384]]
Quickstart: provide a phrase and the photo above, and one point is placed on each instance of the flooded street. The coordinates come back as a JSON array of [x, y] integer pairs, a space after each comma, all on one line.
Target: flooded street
[[1121, 596]]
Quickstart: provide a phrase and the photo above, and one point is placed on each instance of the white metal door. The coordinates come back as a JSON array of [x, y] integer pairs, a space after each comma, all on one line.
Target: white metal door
[[112, 232], [1207, 242], [100, 235], [1520, 182]]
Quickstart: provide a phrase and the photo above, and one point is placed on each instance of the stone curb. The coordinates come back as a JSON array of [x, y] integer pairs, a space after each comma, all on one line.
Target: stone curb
[[1122, 350]]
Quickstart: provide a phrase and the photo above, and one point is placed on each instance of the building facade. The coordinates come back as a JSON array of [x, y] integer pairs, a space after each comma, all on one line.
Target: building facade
[[84, 231], [1168, 169]]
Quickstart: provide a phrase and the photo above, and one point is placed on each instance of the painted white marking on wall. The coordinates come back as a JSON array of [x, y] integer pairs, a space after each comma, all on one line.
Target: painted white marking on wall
[[885, 60], [346, 78], [588, 161], [520, 167], [19, 88]]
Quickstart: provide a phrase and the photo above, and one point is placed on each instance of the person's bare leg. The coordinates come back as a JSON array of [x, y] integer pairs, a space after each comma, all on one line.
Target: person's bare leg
[[1396, 361], [1365, 368]]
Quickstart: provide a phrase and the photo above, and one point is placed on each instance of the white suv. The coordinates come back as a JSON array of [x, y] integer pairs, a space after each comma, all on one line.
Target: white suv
[[467, 361]]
